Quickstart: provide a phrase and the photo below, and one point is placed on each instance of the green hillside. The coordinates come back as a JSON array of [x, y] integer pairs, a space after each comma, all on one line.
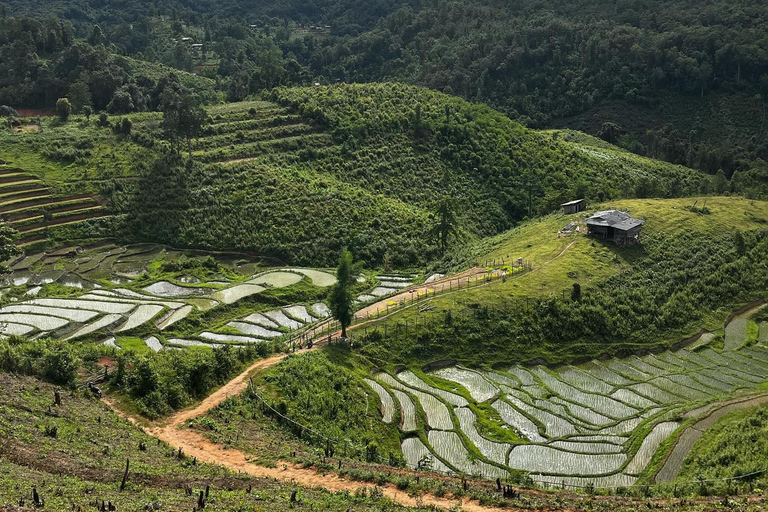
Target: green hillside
[[359, 166], [699, 258]]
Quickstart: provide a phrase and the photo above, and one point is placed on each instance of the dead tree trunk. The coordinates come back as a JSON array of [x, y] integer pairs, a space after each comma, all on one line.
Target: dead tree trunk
[[125, 475]]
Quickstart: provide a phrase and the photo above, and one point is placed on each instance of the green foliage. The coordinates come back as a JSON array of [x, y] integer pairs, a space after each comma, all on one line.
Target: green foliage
[[665, 293], [54, 361], [63, 109], [318, 390], [341, 299], [164, 381], [733, 447]]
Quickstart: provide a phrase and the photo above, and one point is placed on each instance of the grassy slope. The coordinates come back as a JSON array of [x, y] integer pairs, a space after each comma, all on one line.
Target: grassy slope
[[85, 461], [588, 262], [515, 330], [734, 446]]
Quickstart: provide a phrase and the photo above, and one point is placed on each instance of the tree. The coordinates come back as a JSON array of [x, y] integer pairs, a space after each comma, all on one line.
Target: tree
[[6, 111], [720, 182], [63, 109], [445, 224], [576, 292], [80, 96], [341, 294], [183, 115], [87, 112]]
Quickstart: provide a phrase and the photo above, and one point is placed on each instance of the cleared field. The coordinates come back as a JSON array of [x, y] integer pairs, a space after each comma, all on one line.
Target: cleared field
[[75, 315], [91, 305], [234, 294], [407, 411], [99, 324], [282, 319], [448, 446], [650, 444], [300, 313], [44, 323], [415, 382], [496, 452], [319, 278], [418, 456], [213, 336], [174, 316]]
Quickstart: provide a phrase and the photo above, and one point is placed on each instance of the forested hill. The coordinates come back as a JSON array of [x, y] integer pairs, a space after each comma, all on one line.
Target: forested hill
[[683, 81]]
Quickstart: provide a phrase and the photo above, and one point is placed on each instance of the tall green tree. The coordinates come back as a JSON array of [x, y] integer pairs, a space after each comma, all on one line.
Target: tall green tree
[[341, 294], [445, 224], [183, 115]]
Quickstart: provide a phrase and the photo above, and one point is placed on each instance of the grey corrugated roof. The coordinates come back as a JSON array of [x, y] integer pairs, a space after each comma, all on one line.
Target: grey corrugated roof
[[572, 202], [616, 219]]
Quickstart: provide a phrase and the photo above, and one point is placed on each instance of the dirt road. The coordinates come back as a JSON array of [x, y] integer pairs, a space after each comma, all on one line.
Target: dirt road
[[193, 444]]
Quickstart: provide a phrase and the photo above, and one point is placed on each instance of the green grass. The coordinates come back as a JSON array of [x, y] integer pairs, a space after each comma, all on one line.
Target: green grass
[[85, 461]]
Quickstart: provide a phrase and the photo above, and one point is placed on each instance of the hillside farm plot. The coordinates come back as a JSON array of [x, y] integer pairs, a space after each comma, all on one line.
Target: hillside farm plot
[[479, 388], [320, 310], [235, 293], [259, 319], [319, 278], [415, 452], [407, 411], [300, 313], [101, 323], [650, 444], [75, 315], [415, 382], [283, 320], [496, 452], [448, 446], [143, 314], [597, 423], [254, 330], [277, 279], [44, 323], [166, 289], [387, 403], [174, 316], [233, 338]]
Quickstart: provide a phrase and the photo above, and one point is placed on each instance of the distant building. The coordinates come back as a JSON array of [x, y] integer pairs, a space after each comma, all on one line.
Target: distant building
[[574, 206], [615, 225]]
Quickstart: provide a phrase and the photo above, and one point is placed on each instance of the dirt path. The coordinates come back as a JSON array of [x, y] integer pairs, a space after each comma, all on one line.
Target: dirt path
[[693, 433], [195, 445]]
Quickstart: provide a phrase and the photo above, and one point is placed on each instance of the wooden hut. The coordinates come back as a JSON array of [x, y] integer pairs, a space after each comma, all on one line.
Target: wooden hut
[[574, 206], [615, 225]]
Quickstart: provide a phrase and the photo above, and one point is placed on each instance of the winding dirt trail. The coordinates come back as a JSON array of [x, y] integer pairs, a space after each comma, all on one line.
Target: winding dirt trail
[[195, 445]]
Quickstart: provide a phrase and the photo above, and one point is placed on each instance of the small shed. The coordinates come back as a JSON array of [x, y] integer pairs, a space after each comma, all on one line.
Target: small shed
[[574, 206], [615, 225]]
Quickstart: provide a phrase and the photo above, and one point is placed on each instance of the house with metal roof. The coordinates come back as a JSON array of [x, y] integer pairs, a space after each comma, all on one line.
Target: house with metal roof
[[574, 206], [615, 225]]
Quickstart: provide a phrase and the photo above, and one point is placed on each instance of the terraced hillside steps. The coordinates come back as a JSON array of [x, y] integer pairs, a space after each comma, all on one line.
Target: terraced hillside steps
[[29, 206], [598, 423]]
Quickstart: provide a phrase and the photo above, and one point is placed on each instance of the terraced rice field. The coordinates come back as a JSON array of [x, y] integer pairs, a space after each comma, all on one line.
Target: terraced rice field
[[158, 306], [598, 423], [388, 285], [30, 207]]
